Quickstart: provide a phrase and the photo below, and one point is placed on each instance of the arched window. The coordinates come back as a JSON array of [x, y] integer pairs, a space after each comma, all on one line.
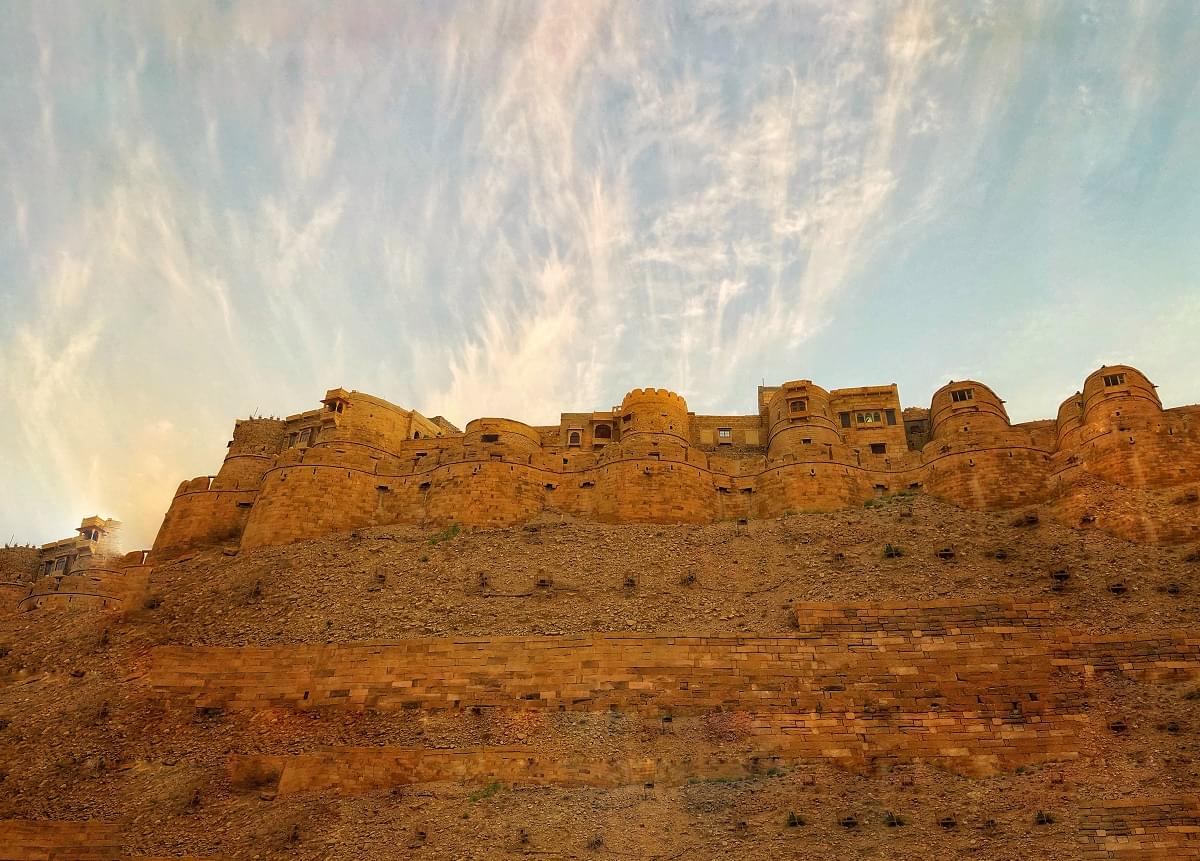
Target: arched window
[[574, 438], [603, 432]]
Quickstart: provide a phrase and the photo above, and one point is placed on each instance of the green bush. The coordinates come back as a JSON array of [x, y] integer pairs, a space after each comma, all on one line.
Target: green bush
[[446, 534], [486, 792]]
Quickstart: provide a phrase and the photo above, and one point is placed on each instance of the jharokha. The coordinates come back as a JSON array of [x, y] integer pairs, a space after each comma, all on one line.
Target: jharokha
[[360, 461]]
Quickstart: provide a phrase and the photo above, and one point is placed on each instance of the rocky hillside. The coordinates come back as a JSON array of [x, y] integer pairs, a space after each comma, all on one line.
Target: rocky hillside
[[905, 680]]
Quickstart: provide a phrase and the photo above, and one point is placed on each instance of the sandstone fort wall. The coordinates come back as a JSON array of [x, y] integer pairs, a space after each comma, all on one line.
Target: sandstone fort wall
[[361, 461]]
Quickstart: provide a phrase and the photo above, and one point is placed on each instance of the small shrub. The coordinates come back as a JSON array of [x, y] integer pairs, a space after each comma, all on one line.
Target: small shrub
[[892, 551], [446, 534], [486, 792]]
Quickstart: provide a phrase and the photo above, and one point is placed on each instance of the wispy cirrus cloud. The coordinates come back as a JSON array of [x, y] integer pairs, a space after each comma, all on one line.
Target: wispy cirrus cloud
[[521, 208]]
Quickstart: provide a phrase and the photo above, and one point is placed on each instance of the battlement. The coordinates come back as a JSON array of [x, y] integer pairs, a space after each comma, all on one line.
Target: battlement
[[651, 394]]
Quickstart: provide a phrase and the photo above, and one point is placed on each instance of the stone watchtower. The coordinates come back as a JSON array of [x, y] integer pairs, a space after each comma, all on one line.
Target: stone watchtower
[[799, 417], [251, 453], [655, 411], [966, 406], [1115, 394]]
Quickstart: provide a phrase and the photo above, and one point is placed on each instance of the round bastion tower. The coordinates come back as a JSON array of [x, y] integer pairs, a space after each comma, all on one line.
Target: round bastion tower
[[251, 453], [975, 458], [804, 444], [798, 418], [966, 407], [652, 474], [657, 412], [502, 436], [1068, 422], [1125, 438], [494, 485], [1114, 394]]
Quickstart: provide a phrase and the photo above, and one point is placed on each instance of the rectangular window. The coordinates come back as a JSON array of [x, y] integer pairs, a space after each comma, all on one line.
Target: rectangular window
[[845, 417], [292, 440], [962, 395], [1114, 379], [878, 448], [871, 418], [725, 434], [490, 437], [891, 416], [798, 406], [304, 435]]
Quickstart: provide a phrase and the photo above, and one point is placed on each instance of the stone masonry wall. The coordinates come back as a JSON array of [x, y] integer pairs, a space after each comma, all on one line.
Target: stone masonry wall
[[48, 840], [62, 840], [972, 687], [366, 469], [1140, 829]]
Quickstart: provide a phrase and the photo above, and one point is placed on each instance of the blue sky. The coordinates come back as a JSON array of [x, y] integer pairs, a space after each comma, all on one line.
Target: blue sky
[[213, 209]]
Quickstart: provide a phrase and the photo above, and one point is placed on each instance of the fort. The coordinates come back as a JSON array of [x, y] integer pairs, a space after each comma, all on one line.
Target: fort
[[837, 628], [84, 570], [360, 461]]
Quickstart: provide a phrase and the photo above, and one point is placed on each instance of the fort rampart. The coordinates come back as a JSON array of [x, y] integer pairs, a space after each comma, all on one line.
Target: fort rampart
[[361, 461]]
